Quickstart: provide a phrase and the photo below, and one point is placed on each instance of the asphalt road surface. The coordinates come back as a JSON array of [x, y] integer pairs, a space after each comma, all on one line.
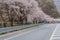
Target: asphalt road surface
[[41, 32], [56, 33]]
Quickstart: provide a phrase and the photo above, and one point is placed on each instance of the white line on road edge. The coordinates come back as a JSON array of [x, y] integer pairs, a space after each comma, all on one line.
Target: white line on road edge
[[18, 35], [56, 37], [54, 32]]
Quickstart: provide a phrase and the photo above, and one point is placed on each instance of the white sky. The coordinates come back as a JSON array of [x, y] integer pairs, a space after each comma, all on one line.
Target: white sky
[[57, 2]]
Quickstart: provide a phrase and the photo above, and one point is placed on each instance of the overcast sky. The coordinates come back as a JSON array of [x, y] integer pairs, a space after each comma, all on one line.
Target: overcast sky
[[57, 2]]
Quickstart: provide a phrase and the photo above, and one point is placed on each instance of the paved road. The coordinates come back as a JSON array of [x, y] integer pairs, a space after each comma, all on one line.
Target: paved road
[[42, 32], [8, 29], [56, 33]]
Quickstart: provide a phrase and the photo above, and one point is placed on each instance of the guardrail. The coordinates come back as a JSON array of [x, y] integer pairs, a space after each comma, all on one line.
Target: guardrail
[[9, 29]]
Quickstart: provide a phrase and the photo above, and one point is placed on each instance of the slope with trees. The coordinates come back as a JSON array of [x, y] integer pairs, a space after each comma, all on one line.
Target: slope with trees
[[17, 12]]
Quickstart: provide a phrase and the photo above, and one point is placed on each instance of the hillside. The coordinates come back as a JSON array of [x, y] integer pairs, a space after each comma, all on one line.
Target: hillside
[[18, 12], [49, 8]]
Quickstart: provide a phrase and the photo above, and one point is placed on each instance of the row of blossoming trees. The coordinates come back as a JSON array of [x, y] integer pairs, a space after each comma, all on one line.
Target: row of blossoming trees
[[17, 12]]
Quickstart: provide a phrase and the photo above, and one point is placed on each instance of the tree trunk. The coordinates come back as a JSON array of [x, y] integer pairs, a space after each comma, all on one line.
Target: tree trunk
[[11, 21]]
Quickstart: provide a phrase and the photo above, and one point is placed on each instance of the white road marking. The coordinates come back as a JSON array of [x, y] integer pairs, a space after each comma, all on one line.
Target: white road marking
[[54, 32], [56, 37], [19, 35]]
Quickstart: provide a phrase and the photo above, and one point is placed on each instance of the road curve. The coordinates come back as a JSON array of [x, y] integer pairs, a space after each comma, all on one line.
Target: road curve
[[42, 32]]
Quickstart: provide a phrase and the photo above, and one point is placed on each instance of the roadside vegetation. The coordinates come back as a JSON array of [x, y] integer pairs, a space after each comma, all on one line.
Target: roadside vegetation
[[19, 12], [49, 8]]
